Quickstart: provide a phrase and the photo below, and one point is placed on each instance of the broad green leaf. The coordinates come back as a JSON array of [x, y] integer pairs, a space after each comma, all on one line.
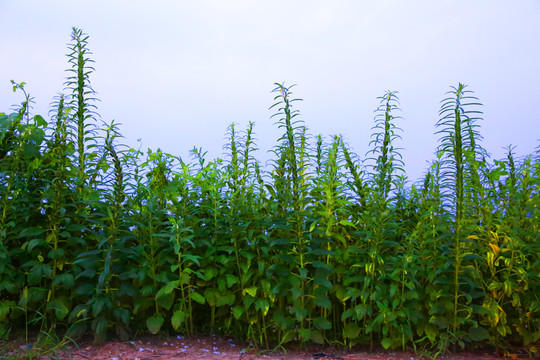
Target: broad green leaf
[[316, 337], [351, 331], [322, 252], [323, 301], [305, 334], [478, 333], [210, 273], [56, 254], [211, 296], [237, 312], [431, 332], [31, 232], [154, 323], [100, 303], [122, 314], [167, 289], [99, 325], [322, 323], [195, 296], [347, 223], [300, 313], [347, 314], [231, 280], [32, 244], [40, 121], [38, 272], [59, 307], [166, 301], [5, 307], [85, 289], [263, 305], [252, 291], [227, 299], [5, 122], [386, 343], [322, 281], [177, 319], [361, 311]]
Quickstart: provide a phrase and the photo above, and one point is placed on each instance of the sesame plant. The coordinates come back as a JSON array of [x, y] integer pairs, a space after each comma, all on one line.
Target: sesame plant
[[319, 245]]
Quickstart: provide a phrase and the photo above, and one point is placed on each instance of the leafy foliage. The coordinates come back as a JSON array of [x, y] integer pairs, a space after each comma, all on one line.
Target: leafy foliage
[[317, 247]]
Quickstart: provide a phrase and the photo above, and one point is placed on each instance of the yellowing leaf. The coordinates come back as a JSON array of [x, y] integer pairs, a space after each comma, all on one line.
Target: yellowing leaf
[[496, 250], [252, 291]]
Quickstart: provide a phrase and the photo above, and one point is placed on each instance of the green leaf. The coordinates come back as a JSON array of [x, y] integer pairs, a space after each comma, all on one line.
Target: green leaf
[[316, 337], [288, 336], [237, 312], [5, 122], [56, 254], [431, 332], [351, 331], [100, 303], [38, 272], [322, 252], [361, 311], [478, 333], [322, 281], [263, 305], [300, 313], [154, 323], [167, 289], [252, 291], [5, 307], [40, 121], [59, 307], [195, 296], [77, 329], [231, 280], [36, 242], [347, 223], [305, 334], [166, 301], [84, 289], [211, 296], [31, 232], [322, 323], [30, 150], [227, 299], [122, 314], [323, 301], [177, 319], [322, 266], [210, 273], [99, 325], [386, 343], [303, 273]]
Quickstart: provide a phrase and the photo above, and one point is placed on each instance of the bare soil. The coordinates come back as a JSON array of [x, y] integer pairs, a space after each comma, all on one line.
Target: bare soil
[[155, 347]]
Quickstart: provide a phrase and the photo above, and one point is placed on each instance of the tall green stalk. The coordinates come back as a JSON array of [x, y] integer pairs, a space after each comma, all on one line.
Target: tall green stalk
[[458, 151]]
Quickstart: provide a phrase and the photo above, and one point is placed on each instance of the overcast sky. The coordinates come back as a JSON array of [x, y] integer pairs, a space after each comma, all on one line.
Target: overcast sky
[[176, 73]]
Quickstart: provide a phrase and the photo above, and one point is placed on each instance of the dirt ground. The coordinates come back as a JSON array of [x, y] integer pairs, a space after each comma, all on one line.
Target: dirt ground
[[154, 347]]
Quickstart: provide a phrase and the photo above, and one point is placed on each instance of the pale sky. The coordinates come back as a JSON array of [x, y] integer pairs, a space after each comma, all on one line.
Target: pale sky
[[176, 73]]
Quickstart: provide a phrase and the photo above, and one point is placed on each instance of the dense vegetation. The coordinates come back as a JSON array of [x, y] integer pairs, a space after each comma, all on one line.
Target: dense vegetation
[[319, 246]]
